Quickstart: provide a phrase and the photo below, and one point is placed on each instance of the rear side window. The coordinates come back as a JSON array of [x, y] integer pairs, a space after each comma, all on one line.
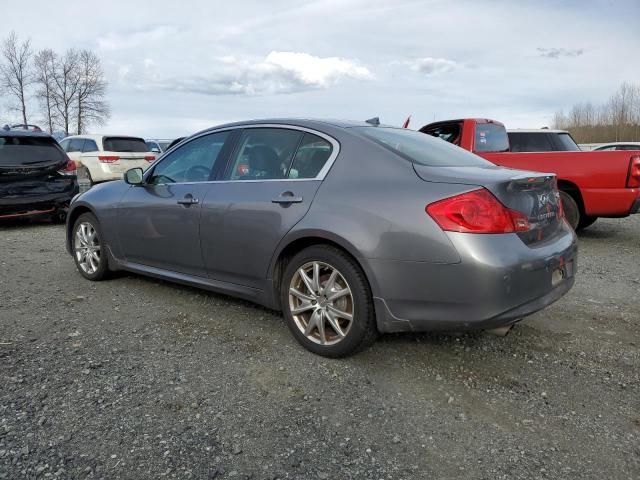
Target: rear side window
[[449, 132], [530, 142], [311, 156], [264, 154], [566, 143], [491, 137], [20, 151], [124, 144], [422, 148]]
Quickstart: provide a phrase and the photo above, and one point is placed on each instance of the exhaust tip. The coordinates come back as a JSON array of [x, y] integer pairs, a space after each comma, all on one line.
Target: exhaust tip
[[500, 331]]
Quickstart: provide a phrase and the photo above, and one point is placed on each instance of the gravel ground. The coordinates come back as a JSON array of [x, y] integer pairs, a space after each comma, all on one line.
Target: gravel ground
[[136, 378]]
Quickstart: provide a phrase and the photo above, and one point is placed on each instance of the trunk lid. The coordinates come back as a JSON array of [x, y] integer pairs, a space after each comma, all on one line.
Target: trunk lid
[[533, 194]]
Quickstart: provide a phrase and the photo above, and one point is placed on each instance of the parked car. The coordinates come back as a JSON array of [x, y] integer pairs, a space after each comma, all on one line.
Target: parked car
[[541, 140], [174, 142], [158, 146], [106, 157], [592, 184], [618, 146], [350, 229], [36, 176]]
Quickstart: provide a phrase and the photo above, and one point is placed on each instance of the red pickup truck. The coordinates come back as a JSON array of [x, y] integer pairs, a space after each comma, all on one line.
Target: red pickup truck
[[592, 184]]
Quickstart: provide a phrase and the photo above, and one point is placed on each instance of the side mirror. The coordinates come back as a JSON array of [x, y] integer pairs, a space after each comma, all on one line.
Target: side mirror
[[133, 176]]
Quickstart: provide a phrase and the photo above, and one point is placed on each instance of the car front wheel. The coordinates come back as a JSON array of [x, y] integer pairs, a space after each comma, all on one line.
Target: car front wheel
[[326, 302], [88, 248]]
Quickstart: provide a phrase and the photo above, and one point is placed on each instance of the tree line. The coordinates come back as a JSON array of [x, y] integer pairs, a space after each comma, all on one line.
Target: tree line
[[617, 120], [68, 89]]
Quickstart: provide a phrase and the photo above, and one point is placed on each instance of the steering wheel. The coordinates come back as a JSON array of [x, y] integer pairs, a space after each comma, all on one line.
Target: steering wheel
[[197, 173]]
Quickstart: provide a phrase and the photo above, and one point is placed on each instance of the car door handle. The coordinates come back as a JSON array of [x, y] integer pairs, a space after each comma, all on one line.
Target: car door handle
[[188, 200], [287, 197]]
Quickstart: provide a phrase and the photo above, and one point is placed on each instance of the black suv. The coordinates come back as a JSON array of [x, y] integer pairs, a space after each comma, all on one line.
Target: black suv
[[36, 176]]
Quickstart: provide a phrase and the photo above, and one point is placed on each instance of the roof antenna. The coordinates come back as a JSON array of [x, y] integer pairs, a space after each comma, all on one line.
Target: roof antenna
[[375, 121]]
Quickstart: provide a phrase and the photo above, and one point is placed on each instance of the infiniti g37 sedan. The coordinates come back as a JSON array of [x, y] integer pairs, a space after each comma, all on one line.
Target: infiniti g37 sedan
[[349, 229]]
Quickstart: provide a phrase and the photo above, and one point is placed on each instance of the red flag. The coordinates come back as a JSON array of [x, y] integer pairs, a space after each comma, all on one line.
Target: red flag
[[406, 122]]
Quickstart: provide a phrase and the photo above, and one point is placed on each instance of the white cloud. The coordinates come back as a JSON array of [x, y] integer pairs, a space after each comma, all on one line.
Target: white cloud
[[560, 52], [431, 66], [278, 72], [122, 40]]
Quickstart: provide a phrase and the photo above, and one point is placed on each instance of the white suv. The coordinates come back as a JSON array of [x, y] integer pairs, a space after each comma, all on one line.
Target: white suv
[[107, 157]]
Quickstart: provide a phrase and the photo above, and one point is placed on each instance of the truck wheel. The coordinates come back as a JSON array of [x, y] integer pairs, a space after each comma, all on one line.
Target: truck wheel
[[585, 221], [571, 209]]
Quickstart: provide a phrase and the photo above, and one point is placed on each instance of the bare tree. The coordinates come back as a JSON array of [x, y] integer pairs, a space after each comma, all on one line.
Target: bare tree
[[45, 71], [90, 106], [66, 83], [15, 71]]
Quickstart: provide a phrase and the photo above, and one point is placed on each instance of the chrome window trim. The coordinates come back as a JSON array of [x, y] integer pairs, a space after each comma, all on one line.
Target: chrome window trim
[[319, 177]]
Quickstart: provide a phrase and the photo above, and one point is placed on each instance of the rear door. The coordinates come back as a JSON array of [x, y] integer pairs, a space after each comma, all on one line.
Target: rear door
[[267, 187], [159, 222]]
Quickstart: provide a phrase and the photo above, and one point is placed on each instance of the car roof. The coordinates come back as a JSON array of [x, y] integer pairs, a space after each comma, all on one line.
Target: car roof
[[22, 133], [95, 136], [615, 144], [535, 130], [313, 123]]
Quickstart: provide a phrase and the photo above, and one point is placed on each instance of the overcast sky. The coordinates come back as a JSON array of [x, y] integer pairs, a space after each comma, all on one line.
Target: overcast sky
[[175, 67]]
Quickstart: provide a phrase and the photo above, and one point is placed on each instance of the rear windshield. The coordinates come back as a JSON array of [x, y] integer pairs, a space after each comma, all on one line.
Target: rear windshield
[[124, 144], [24, 151], [422, 148], [491, 137]]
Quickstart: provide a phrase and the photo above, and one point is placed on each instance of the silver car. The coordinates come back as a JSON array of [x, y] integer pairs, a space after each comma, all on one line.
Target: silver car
[[349, 229]]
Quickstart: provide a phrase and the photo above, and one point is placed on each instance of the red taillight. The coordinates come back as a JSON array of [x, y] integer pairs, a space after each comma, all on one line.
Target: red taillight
[[150, 158], [477, 211], [108, 158], [633, 178], [69, 169]]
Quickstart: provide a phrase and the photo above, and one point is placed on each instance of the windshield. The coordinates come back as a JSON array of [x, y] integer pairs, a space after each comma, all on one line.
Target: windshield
[[29, 151], [124, 144], [422, 148]]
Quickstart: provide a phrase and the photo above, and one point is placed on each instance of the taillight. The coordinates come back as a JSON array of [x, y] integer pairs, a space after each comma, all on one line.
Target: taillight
[[108, 158], [633, 178], [69, 169], [477, 211], [150, 158]]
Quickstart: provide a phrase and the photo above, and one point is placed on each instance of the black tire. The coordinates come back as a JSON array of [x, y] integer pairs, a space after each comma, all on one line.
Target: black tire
[[571, 209], [362, 331], [59, 216], [102, 270], [586, 221]]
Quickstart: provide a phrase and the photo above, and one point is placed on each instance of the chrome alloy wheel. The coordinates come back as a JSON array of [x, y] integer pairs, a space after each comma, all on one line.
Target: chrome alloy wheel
[[87, 247], [321, 303]]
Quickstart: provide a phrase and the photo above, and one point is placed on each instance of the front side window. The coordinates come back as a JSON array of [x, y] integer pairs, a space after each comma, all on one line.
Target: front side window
[[89, 146], [422, 148], [264, 154], [191, 162], [76, 144]]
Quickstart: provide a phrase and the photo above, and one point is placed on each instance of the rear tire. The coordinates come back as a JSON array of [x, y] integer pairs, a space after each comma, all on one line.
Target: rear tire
[[329, 287], [89, 250], [586, 221], [571, 209]]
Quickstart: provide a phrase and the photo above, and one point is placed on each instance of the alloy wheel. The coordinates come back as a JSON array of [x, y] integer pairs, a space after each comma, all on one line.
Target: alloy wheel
[[87, 247], [321, 303]]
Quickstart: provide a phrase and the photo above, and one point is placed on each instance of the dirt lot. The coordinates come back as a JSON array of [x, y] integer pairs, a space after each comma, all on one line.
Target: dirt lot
[[135, 378]]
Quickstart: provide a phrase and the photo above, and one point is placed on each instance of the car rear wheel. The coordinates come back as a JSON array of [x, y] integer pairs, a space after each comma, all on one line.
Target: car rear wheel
[[571, 209], [88, 248], [327, 303]]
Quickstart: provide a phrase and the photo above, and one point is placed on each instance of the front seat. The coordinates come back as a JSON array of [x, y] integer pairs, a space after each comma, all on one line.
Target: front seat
[[264, 162]]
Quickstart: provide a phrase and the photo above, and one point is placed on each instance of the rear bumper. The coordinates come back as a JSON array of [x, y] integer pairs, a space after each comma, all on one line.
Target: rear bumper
[[102, 172], [33, 205], [499, 281]]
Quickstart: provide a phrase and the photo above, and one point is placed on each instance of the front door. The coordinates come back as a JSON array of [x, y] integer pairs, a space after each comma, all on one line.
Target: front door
[[267, 188], [159, 222]]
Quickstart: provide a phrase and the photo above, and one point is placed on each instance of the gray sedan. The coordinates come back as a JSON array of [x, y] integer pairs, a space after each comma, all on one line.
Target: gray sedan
[[350, 229]]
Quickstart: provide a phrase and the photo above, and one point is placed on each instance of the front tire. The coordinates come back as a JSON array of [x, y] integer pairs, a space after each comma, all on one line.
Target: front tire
[[326, 302], [88, 248]]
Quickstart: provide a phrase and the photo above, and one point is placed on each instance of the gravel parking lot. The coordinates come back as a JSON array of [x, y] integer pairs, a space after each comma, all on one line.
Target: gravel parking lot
[[136, 378]]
